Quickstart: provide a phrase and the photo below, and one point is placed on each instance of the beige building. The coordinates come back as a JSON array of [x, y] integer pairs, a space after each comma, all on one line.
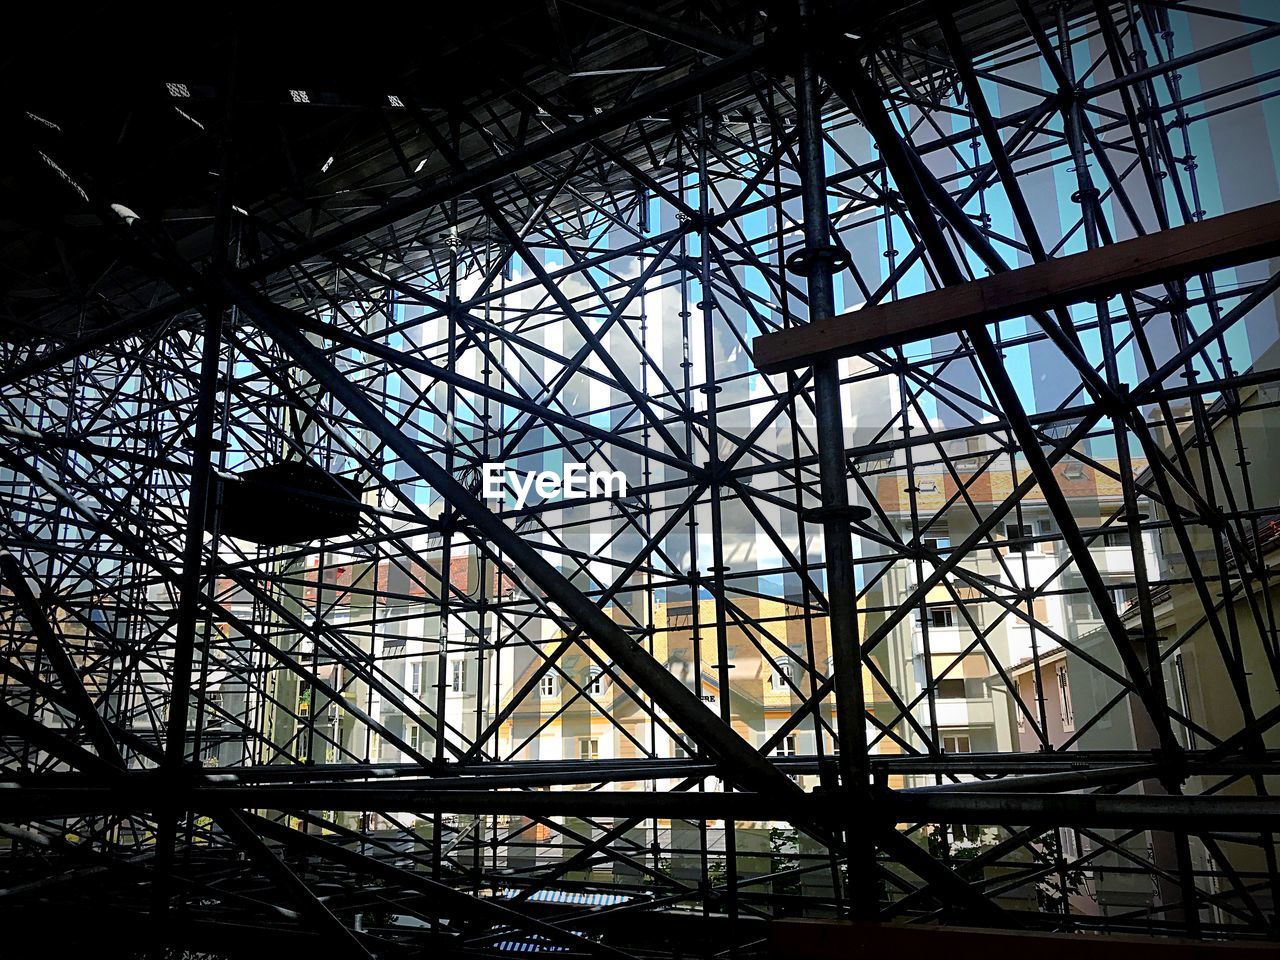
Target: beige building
[[972, 640]]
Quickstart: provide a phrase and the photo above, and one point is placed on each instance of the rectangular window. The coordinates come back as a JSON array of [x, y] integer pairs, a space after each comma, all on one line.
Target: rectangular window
[[781, 674], [458, 676], [1184, 696], [413, 736], [956, 743], [937, 538], [589, 748], [414, 680], [595, 681], [790, 746], [1064, 699], [938, 615], [1070, 843], [1022, 532], [1118, 537], [951, 689], [1048, 536], [547, 685]]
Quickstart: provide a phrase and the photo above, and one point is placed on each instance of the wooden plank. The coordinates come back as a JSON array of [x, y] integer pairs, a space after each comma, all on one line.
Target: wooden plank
[[1213, 244]]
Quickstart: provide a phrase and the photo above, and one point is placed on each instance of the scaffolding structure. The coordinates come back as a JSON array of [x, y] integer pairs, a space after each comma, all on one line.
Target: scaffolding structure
[[651, 723]]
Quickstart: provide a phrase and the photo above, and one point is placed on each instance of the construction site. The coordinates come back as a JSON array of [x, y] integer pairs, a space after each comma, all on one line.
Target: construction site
[[684, 479]]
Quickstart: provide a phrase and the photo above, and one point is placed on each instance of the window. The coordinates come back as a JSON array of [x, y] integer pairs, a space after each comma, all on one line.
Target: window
[[215, 717], [394, 636], [414, 679], [1020, 531], [1118, 537], [966, 453], [413, 736], [937, 538], [1064, 699], [595, 681], [955, 743], [870, 462], [458, 676], [781, 674], [547, 685], [1184, 696], [789, 746], [589, 748], [1070, 843], [937, 615], [951, 689]]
